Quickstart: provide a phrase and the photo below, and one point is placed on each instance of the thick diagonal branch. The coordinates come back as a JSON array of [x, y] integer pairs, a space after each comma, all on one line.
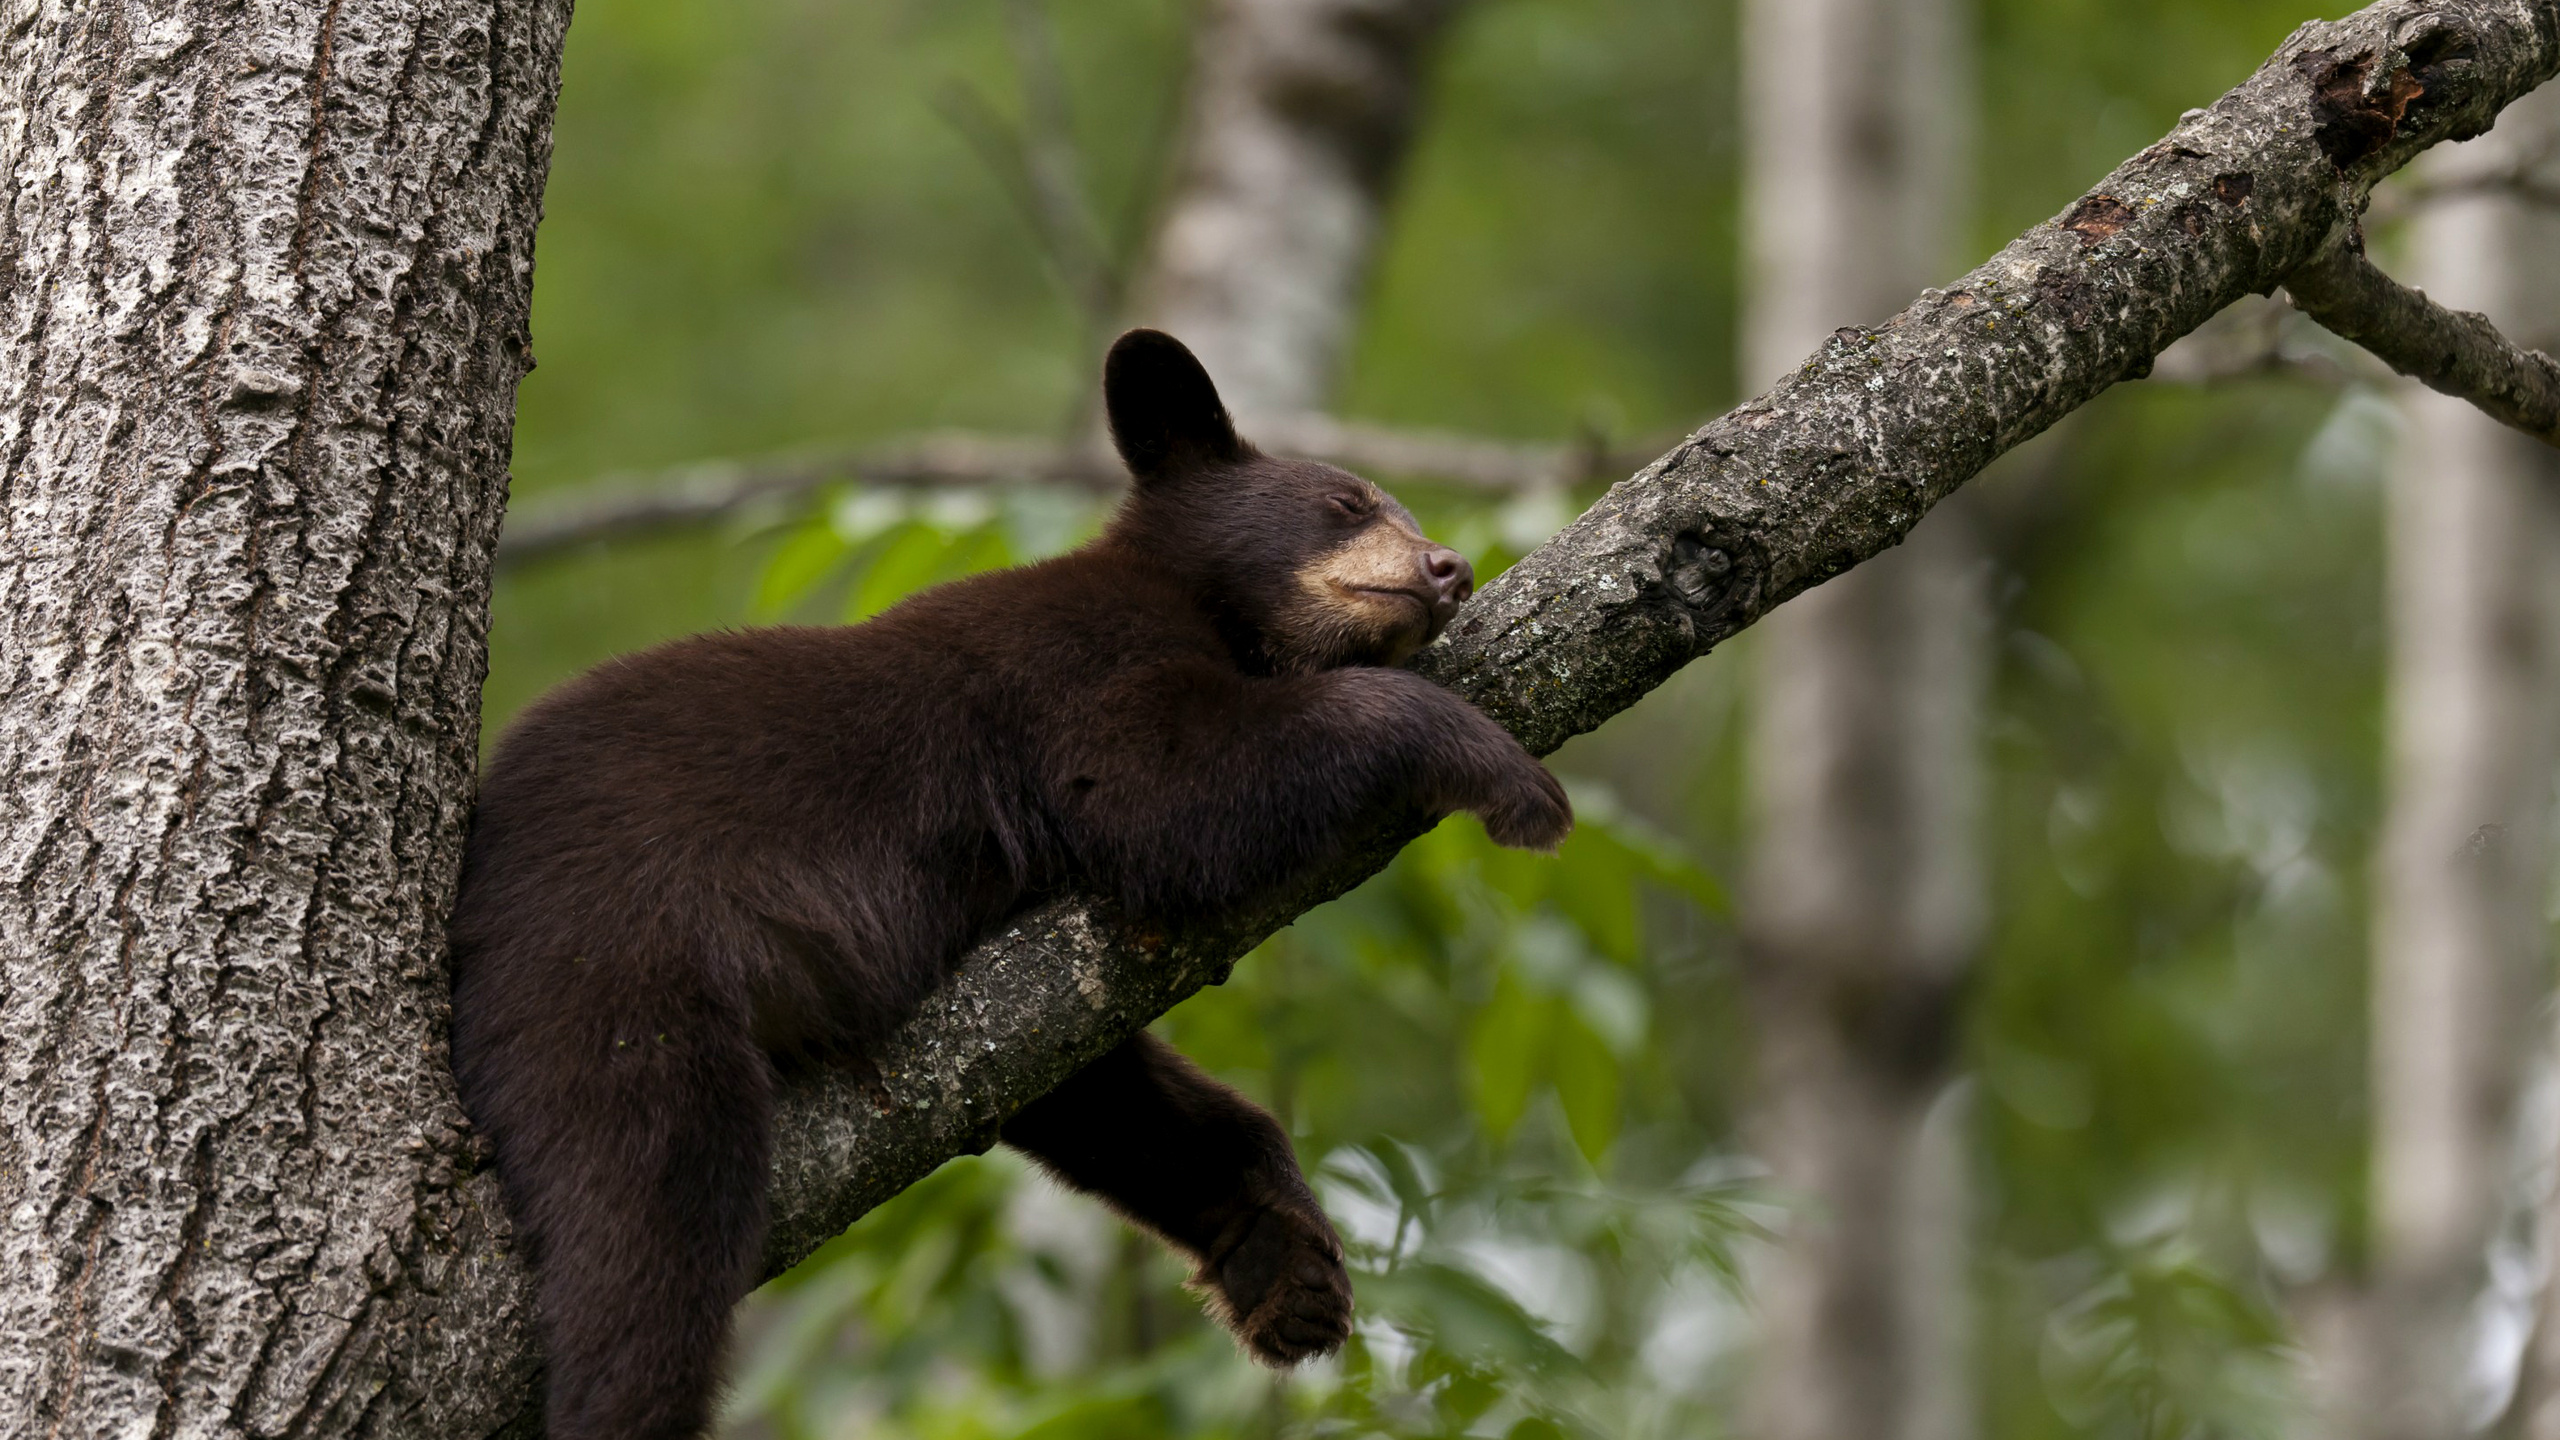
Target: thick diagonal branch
[[1831, 467], [2456, 352]]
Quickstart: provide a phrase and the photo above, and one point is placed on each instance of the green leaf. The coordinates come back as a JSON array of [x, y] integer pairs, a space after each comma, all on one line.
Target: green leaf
[[1587, 1081], [1462, 1315], [1507, 1044], [1605, 827], [1614, 1006], [799, 565], [1414, 1192], [1117, 1417], [908, 563]]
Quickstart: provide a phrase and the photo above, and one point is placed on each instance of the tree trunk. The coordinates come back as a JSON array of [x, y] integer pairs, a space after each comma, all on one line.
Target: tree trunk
[[2460, 952], [1300, 115], [264, 283], [1864, 899]]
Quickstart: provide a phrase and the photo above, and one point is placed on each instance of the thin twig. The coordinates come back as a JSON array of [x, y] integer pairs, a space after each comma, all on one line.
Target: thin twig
[[2456, 352], [1088, 278], [1039, 166]]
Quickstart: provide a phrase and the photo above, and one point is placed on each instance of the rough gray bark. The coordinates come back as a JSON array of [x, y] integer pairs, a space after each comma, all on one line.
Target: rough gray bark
[[1863, 904], [1300, 114], [263, 282], [219, 977]]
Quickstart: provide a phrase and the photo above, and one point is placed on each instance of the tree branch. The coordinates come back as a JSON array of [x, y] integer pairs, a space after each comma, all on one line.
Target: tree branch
[[2456, 352], [617, 508], [620, 507], [1831, 467]]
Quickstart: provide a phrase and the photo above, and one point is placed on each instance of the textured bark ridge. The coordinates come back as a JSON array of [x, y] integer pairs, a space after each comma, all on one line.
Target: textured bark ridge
[[263, 287], [1831, 467]]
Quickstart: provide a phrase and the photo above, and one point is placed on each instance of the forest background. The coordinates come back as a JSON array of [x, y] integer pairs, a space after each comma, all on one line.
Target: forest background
[[792, 225]]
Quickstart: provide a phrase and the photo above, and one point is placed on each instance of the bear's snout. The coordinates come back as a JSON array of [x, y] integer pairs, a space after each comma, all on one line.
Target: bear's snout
[[1451, 578]]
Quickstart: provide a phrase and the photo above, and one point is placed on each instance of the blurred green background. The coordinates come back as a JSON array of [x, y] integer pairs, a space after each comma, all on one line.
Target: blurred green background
[[1519, 1076]]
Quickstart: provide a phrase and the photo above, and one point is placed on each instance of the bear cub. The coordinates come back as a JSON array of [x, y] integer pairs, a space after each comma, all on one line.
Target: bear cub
[[694, 868]]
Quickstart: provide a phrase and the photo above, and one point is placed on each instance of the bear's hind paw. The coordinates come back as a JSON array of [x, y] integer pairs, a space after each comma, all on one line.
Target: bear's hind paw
[[1283, 1290]]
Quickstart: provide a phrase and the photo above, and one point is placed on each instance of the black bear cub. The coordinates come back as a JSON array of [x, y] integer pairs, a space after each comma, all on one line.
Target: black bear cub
[[698, 866]]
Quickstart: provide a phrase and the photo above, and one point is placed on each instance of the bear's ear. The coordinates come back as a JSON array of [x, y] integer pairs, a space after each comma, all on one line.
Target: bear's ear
[[1165, 415]]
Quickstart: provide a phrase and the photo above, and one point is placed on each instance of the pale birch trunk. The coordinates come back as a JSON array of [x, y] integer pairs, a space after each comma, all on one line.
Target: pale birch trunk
[[2460, 948], [263, 282], [2531, 136], [1299, 117], [1863, 906]]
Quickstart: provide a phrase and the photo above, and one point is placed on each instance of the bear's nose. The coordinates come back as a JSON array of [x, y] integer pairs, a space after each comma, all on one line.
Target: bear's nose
[[1451, 576]]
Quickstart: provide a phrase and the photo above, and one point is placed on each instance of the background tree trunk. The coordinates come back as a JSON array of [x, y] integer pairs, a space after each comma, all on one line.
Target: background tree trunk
[[1864, 904], [1300, 115], [2460, 950], [264, 283]]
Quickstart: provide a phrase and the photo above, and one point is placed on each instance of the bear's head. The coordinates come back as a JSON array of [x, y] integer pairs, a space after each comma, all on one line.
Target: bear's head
[[1306, 565]]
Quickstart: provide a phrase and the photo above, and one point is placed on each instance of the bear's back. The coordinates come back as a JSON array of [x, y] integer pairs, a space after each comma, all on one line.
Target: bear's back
[[802, 769]]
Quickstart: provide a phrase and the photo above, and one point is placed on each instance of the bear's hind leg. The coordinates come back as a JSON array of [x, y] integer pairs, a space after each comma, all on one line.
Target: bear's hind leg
[[1213, 1174], [643, 1189]]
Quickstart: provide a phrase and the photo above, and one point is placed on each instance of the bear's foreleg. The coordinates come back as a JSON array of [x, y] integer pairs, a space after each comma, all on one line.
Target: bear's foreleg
[[1212, 1173], [1190, 788]]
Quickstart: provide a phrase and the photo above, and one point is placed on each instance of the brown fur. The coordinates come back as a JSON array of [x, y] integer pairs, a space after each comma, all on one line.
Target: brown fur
[[746, 851]]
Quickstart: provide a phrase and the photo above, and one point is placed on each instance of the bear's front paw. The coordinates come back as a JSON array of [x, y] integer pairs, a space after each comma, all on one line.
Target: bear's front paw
[[1281, 1286], [1529, 811]]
